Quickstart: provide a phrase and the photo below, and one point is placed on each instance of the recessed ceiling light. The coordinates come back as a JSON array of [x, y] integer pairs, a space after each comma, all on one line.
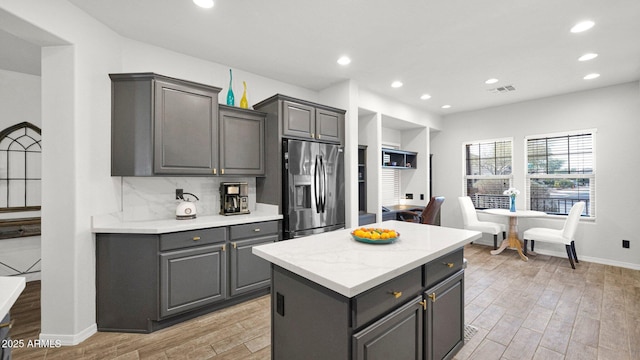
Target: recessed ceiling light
[[491, 81], [582, 26], [591, 76], [206, 4], [446, 106], [425, 97], [396, 84], [344, 60], [587, 57]]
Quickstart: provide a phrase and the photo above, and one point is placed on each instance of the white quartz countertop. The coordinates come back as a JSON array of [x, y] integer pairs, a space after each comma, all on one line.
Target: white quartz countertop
[[10, 289], [338, 262], [111, 224]]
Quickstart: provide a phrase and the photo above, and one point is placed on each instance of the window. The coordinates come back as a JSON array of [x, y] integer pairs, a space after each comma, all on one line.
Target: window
[[561, 171], [488, 166], [20, 151], [390, 182]]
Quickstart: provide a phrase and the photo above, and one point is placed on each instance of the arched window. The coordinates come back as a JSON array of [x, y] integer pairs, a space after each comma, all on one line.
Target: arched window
[[20, 168]]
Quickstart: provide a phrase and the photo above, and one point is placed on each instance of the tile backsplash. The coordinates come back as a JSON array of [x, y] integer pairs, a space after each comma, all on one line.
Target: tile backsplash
[[153, 198]]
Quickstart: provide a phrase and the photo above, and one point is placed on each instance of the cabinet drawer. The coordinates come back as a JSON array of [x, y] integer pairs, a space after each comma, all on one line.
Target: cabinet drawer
[[443, 267], [379, 300], [254, 230], [189, 238]]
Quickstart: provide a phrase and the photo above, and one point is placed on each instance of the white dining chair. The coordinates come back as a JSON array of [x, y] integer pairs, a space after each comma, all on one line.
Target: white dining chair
[[559, 236], [471, 222]]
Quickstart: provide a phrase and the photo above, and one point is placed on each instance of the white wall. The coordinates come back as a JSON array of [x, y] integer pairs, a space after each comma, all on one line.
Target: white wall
[[20, 101], [19, 98], [614, 111]]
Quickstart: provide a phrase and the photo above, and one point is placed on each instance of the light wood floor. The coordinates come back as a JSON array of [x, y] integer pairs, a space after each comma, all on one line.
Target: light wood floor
[[540, 309]]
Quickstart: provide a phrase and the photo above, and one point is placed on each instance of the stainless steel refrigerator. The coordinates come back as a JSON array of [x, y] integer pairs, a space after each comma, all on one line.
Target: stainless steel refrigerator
[[313, 187]]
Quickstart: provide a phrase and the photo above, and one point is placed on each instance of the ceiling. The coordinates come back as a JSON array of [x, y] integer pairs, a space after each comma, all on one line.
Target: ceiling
[[444, 48]]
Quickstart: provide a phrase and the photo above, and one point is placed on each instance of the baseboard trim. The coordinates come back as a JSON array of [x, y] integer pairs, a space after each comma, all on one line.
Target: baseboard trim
[[563, 254], [591, 259], [70, 340]]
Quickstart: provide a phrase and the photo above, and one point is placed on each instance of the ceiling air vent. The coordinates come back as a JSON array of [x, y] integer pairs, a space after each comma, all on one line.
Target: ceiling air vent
[[502, 89]]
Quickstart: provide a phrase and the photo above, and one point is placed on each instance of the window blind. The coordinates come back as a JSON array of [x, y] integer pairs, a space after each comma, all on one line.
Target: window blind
[[488, 168], [390, 182], [561, 171]]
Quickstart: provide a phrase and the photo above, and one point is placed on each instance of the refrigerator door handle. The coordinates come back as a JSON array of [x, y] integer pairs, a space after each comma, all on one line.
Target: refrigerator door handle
[[324, 183], [316, 185]]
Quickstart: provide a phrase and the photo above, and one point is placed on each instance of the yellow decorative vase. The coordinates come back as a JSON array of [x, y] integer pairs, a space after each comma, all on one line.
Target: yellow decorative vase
[[243, 102]]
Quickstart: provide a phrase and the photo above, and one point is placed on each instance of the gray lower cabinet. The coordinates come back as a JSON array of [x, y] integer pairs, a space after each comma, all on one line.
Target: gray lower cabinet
[[248, 272], [418, 315], [397, 336], [443, 319], [146, 282], [162, 126], [191, 278], [242, 136]]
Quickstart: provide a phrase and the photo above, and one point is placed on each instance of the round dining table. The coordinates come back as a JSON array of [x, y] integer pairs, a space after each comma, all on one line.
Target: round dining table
[[513, 241]]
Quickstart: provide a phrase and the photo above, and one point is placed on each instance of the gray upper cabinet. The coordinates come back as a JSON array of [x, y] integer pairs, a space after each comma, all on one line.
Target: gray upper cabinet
[[329, 125], [298, 120], [163, 126], [306, 120], [241, 141]]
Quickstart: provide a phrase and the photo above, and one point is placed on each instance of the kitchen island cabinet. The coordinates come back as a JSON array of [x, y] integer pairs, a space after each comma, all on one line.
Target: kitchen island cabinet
[[336, 298], [10, 289]]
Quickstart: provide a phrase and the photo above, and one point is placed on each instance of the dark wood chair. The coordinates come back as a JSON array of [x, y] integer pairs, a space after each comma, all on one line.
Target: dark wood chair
[[428, 216]]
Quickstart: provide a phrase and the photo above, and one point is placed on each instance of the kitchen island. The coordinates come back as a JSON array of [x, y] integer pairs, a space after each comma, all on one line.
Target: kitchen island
[[336, 298], [10, 289]]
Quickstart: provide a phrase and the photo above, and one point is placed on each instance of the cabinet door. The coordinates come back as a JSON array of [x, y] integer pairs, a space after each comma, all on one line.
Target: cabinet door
[[298, 120], [444, 318], [247, 271], [241, 143], [397, 336], [191, 278], [186, 130], [329, 125]]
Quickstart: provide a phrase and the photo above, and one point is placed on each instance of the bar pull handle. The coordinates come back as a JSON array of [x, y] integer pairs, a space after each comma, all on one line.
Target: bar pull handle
[[235, 246], [257, 230], [449, 265], [196, 238], [424, 304], [7, 325], [432, 296], [396, 294], [214, 171]]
